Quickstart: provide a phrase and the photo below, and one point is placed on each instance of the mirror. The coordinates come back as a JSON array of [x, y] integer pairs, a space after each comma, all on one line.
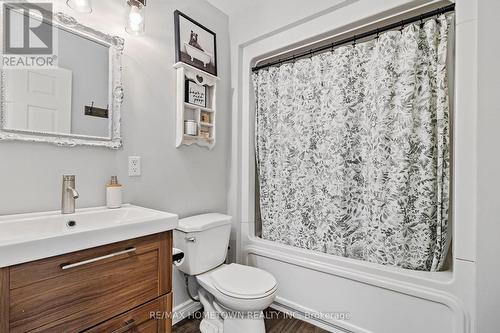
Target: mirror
[[77, 101]]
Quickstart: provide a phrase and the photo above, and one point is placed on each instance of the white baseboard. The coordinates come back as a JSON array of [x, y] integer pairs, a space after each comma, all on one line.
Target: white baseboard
[[297, 311], [189, 307], [184, 310]]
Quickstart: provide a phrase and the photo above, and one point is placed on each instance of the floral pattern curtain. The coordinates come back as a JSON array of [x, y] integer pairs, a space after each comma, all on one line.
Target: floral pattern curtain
[[353, 149]]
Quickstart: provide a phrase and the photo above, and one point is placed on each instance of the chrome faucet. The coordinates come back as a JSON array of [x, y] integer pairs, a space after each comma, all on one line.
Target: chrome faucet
[[69, 194]]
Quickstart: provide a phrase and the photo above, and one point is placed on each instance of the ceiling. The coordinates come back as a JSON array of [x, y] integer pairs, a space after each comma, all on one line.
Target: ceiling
[[231, 7], [274, 10]]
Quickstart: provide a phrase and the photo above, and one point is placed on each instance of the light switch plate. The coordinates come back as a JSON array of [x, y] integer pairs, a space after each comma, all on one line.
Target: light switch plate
[[134, 166]]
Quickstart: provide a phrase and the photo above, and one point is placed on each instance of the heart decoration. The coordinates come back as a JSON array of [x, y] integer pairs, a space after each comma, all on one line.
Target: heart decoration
[[199, 78]]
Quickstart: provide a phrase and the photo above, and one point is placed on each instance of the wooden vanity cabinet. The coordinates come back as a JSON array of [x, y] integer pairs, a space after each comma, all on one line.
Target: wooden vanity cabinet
[[116, 288]]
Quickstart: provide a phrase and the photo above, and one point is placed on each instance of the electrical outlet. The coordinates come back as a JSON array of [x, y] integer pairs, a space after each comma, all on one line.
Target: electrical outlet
[[134, 166]]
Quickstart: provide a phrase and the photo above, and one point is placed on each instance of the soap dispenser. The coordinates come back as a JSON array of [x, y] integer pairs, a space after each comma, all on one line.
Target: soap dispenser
[[114, 193]]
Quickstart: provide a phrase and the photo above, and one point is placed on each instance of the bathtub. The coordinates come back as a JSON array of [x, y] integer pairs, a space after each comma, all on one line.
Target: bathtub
[[346, 295], [198, 54], [378, 299]]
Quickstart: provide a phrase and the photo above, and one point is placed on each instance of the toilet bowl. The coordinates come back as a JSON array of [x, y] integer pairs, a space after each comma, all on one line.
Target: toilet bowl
[[233, 296], [240, 288]]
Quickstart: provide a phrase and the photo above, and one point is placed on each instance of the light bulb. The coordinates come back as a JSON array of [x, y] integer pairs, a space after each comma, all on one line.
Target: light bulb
[[135, 16], [82, 6], [135, 19]]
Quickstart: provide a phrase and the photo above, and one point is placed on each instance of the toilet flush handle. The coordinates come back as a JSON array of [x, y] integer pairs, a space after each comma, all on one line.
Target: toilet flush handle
[[190, 239]]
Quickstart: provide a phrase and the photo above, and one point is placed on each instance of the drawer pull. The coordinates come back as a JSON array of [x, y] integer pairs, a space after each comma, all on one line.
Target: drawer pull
[[89, 261], [128, 325]]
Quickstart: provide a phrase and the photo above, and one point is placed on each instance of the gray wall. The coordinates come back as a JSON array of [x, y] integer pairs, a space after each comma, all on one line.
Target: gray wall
[[88, 62], [185, 181]]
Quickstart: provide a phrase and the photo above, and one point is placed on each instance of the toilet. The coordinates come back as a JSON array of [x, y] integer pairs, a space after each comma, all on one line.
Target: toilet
[[233, 296]]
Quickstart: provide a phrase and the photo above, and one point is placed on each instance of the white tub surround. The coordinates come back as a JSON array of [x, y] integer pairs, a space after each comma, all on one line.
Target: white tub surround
[[378, 298]]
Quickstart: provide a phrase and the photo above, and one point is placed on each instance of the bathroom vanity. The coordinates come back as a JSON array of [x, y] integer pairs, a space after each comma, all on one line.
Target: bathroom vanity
[[118, 286]]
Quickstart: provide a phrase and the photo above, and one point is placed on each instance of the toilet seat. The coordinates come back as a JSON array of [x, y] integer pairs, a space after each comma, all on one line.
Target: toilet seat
[[244, 290], [243, 282]]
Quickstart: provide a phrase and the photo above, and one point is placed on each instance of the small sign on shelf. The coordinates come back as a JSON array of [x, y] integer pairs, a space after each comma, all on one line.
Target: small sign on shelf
[[196, 94]]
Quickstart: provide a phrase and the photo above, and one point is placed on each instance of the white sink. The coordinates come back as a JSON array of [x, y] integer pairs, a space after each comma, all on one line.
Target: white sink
[[28, 237]]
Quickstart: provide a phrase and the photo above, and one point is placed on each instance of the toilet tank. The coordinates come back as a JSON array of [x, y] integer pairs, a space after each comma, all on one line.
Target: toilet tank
[[204, 239]]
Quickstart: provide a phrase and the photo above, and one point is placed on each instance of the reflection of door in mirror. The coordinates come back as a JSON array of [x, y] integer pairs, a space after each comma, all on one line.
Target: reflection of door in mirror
[[70, 102], [38, 100], [53, 100]]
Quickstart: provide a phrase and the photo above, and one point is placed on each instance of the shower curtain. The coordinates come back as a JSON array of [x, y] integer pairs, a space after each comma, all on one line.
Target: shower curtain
[[353, 149]]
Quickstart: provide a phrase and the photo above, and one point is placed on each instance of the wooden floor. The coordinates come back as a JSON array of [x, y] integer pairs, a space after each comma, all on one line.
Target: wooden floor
[[276, 322]]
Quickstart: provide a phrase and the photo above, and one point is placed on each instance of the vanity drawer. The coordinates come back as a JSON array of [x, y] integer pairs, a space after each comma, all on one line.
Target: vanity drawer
[[73, 292], [141, 320]]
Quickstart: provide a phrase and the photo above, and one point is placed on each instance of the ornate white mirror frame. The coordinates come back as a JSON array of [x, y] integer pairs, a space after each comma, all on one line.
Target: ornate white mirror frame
[[115, 94]]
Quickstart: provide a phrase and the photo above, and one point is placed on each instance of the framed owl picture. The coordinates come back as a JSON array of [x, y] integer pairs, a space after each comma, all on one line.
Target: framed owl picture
[[195, 44]]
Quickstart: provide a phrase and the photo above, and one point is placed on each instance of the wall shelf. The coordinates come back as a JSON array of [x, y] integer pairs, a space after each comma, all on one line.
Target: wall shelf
[[192, 106], [187, 111]]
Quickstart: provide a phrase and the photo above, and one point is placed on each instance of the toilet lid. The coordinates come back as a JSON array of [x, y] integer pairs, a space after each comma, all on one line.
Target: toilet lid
[[243, 281]]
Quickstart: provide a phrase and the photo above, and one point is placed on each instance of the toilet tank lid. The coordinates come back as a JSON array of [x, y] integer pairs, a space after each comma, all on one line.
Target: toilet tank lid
[[203, 222]]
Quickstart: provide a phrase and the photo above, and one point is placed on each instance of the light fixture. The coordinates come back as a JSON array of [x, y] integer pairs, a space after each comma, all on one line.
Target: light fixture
[[82, 6], [135, 19]]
